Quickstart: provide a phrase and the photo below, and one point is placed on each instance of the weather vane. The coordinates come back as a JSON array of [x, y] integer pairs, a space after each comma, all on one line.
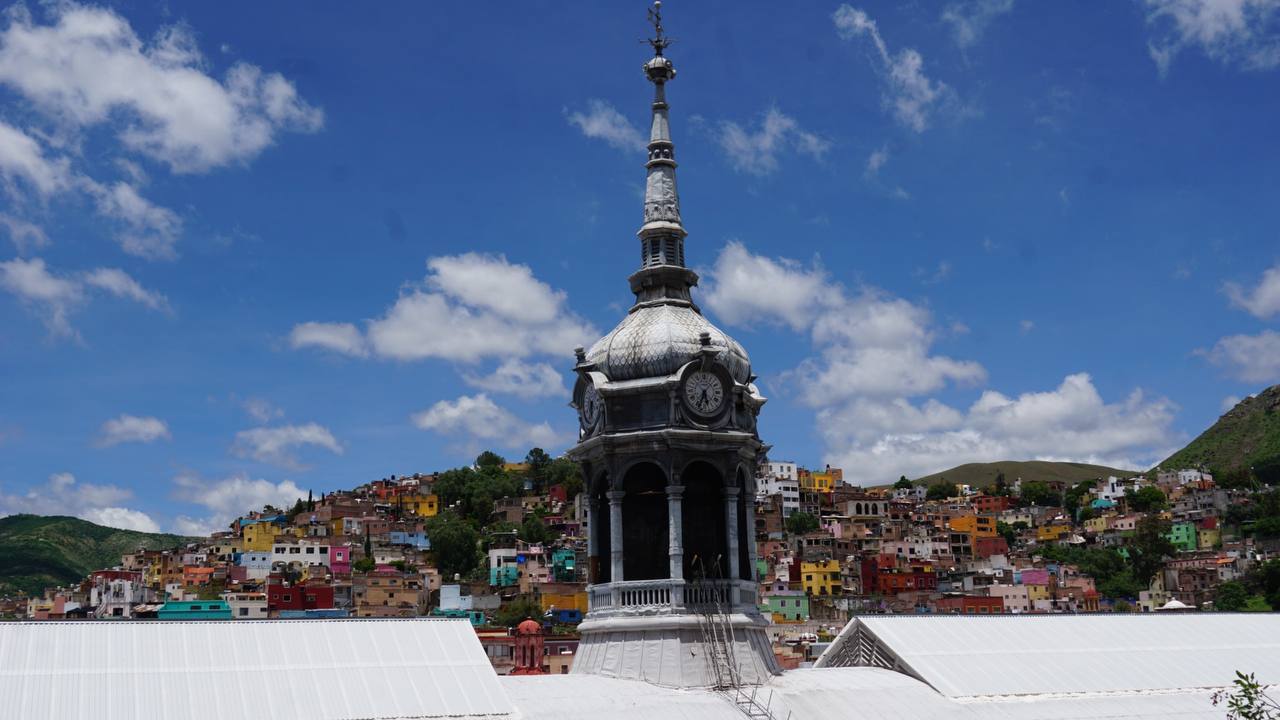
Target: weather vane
[[659, 41]]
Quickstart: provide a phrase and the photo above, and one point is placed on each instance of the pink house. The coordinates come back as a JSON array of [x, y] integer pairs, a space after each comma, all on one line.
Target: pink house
[[1035, 576], [340, 559]]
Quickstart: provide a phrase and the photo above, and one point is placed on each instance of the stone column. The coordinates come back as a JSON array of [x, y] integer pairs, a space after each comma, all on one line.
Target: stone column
[[731, 530], [615, 536], [593, 542], [675, 541]]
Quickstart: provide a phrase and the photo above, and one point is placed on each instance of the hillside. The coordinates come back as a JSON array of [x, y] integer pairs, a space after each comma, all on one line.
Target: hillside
[[1247, 435], [984, 474], [41, 551]]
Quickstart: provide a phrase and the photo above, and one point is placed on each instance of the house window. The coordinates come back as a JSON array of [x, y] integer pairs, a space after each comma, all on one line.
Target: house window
[[286, 598], [244, 612]]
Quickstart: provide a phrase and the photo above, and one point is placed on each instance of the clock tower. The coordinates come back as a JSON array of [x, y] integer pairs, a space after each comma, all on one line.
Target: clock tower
[[668, 448]]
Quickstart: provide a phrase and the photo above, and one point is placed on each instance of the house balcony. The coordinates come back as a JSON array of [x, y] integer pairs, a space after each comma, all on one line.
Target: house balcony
[[665, 596]]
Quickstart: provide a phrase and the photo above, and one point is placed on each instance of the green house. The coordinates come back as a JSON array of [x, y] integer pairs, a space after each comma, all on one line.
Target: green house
[[789, 606], [1183, 536], [195, 610]]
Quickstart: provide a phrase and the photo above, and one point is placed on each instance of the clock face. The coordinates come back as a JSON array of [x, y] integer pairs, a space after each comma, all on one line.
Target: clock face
[[591, 406], [703, 392]]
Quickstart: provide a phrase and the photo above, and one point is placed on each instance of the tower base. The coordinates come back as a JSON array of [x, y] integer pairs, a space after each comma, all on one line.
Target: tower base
[[673, 651]]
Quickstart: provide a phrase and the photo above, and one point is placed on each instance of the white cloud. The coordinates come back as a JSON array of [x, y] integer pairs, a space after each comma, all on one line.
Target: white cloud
[[1262, 301], [469, 307], [909, 94], [122, 518], [89, 67], [131, 428], [1252, 358], [24, 235], [525, 380], [757, 152], [118, 283], [875, 161], [50, 296], [275, 445], [1229, 402], [1026, 326], [874, 353], [54, 297], [935, 275], [261, 410], [969, 20], [743, 289], [478, 421], [86, 68], [1242, 33], [344, 338], [22, 161], [148, 230], [603, 121], [62, 495], [883, 440], [229, 498]]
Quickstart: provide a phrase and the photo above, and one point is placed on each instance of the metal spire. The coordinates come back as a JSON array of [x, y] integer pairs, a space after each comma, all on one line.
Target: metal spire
[[662, 234]]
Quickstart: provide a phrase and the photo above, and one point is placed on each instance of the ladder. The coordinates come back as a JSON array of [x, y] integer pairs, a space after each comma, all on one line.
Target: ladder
[[719, 645]]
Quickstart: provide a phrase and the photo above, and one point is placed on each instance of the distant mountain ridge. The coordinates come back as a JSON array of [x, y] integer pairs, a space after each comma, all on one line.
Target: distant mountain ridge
[[39, 551], [1246, 436], [982, 475]]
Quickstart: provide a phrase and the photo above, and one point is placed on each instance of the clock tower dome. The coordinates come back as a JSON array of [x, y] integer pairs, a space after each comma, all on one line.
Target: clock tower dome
[[668, 448]]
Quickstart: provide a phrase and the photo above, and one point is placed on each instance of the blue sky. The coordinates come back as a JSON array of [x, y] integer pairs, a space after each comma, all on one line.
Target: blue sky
[[299, 246]]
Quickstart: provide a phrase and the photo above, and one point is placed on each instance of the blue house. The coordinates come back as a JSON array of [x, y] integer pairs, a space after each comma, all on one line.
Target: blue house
[[195, 610]]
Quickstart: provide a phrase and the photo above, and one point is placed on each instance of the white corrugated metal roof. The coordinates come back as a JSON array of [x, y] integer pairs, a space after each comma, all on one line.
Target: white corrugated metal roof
[[313, 669], [967, 656]]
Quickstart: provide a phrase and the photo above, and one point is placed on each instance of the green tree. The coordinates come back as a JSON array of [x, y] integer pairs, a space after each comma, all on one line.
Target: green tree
[[1072, 497], [565, 472], [940, 490], [801, 522], [1036, 492], [538, 461], [1001, 486], [454, 543], [518, 610], [363, 565], [1148, 547], [1249, 701], [534, 531], [297, 509], [490, 459], [1146, 499], [902, 484], [1231, 596], [1007, 531]]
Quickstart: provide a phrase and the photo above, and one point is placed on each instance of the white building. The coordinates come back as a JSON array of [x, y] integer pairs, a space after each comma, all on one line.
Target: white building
[[787, 487], [247, 606], [1015, 597], [302, 553]]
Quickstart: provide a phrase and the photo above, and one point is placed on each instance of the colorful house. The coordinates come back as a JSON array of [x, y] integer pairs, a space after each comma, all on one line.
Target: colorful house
[[260, 535], [421, 505], [786, 606], [1183, 536], [821, 578], [195, 610]]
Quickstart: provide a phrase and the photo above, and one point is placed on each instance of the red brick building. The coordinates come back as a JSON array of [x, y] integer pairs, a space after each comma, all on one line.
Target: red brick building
[[970, 605]]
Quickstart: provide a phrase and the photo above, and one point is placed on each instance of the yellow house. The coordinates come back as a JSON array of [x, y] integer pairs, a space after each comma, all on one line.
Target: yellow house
[[1096, 524], [1207, 539], [565, 601], [1037, 592], [260, 536], [820, 578], [975, 525], [421, 505], [1052, 533]]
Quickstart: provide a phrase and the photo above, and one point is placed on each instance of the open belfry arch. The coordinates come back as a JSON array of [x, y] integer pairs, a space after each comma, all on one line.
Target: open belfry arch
[[668, 447]]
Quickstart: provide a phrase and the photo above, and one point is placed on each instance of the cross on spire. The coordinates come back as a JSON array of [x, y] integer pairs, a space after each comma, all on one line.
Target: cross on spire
[[659, 41]]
